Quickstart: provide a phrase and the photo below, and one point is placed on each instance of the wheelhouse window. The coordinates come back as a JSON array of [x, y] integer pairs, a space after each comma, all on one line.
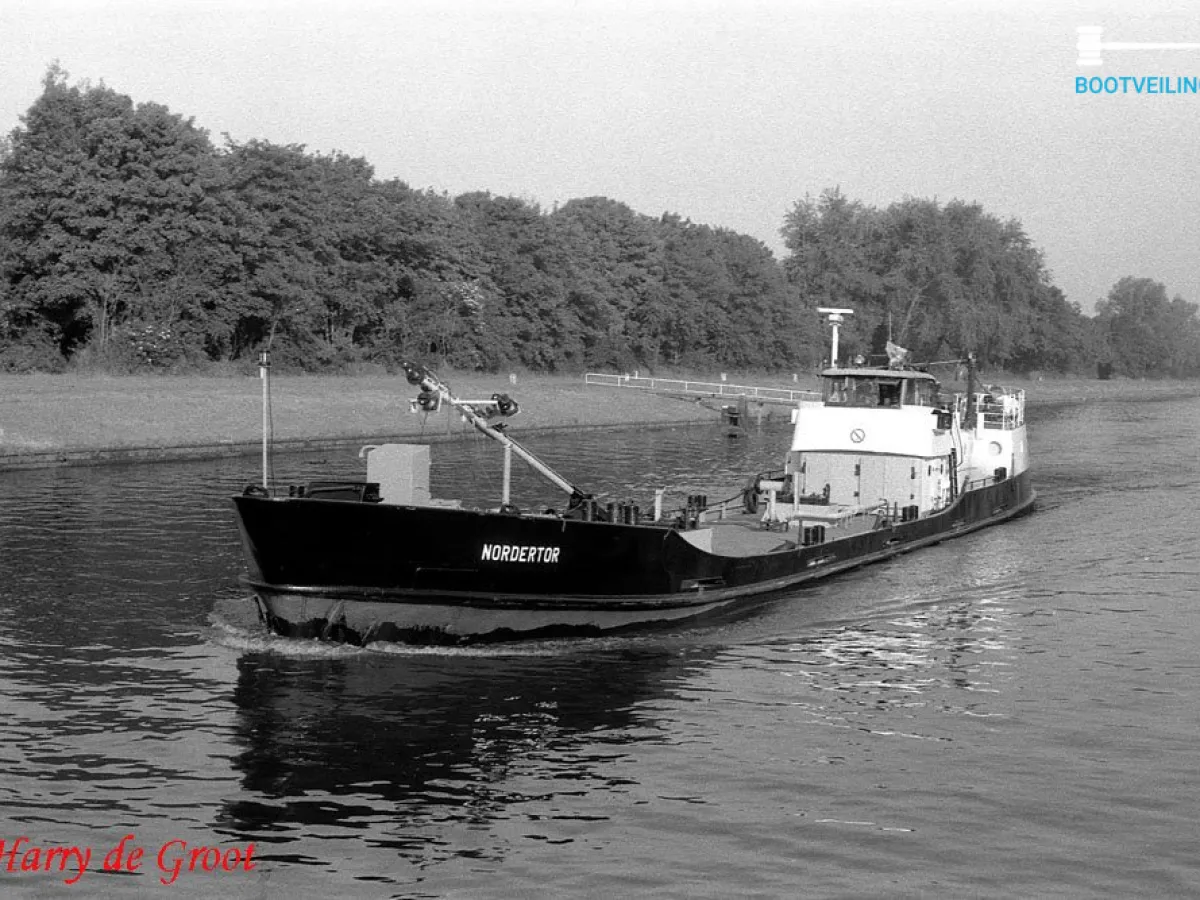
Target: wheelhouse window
[[878, 391], [857, 390], [923, 393]]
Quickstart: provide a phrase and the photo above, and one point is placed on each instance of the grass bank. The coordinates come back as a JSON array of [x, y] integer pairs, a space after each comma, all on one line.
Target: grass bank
[[73, 419], [66, 419]]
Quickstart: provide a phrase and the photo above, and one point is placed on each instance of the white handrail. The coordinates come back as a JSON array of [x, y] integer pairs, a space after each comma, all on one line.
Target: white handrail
[[699, 388]]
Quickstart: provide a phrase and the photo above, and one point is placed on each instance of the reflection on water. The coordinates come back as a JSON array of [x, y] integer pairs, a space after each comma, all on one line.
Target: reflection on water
[[1028, 692], [400, 747]]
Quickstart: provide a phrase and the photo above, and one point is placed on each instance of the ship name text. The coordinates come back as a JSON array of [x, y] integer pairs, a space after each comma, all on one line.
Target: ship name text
[[519, 554]]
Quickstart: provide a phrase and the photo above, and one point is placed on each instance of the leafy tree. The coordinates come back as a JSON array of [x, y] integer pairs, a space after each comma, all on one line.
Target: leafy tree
[[1147, 334], [525, 304], [615, 275], [940, 280], [426, 263], [126, 235], [285, 244], [114, 213], [765, 329]]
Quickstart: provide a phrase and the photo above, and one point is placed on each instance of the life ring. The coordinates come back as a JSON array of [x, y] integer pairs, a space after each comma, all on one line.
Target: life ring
[[255, 490], [750, 496]]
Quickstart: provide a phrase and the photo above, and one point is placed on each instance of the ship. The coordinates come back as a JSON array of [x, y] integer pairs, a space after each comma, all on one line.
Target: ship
[[883, 462]]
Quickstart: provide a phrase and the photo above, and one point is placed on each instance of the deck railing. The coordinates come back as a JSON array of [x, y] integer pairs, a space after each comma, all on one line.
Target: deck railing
[[1004, 411], [700, 388]]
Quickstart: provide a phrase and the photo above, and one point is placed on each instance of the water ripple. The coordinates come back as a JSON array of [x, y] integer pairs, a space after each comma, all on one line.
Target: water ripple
[[1025, 693]]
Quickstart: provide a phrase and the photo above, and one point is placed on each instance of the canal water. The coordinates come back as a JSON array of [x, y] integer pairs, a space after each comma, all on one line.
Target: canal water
[[1013, 713]]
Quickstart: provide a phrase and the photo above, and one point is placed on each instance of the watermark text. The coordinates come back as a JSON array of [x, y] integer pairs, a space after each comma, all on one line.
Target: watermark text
[[169, 861]]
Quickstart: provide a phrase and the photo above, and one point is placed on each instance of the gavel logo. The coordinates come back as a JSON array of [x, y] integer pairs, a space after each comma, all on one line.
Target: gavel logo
[[1091, 46]]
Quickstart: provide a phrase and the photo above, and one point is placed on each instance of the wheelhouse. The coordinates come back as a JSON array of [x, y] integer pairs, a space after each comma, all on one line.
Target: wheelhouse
[[878, 388]]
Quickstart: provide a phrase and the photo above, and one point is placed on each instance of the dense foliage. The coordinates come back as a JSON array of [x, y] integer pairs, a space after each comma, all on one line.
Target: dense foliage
[[128, 240]]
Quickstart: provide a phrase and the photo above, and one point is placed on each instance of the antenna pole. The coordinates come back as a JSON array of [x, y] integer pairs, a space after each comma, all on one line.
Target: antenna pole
[[835, 318]]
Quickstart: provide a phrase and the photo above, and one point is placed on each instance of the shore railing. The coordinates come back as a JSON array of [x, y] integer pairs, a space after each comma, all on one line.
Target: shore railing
[[700, 388]]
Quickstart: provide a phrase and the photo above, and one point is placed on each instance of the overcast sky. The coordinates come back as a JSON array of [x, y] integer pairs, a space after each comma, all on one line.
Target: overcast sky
[[724, 111]]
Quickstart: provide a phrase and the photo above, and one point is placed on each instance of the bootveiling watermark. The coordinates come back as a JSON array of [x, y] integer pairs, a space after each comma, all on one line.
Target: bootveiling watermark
[[1131, 84], [1092, 48]]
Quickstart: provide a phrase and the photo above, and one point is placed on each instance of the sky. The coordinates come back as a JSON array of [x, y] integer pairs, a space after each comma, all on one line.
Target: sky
[[726, 112]]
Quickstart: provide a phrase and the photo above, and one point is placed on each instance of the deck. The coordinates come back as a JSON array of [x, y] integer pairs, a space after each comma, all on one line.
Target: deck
[[746, 534]]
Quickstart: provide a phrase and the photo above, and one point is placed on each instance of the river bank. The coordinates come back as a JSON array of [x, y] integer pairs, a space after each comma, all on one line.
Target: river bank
[[49, 420]]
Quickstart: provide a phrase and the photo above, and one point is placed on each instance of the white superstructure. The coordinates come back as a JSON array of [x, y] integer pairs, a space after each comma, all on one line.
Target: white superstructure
[[888, 440]]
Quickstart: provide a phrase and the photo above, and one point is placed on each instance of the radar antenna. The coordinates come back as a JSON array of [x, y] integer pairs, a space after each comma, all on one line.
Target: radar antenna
[[835, 317]]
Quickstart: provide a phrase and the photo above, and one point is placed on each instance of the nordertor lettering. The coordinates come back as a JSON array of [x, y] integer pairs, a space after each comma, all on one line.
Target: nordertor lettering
[[519, 553]]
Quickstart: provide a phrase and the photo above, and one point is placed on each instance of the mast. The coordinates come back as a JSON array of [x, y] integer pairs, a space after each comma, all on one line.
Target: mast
[[264, 372], [972, 387]]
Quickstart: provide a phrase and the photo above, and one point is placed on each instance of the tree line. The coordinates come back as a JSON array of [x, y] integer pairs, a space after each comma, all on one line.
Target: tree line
[[128, 241], [938, 279]]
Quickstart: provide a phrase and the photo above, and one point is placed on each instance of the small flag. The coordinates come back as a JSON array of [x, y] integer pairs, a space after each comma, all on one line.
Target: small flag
[[897, 355]]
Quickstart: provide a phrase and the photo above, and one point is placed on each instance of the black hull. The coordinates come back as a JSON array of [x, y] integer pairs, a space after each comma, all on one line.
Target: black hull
[[362, 572]]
